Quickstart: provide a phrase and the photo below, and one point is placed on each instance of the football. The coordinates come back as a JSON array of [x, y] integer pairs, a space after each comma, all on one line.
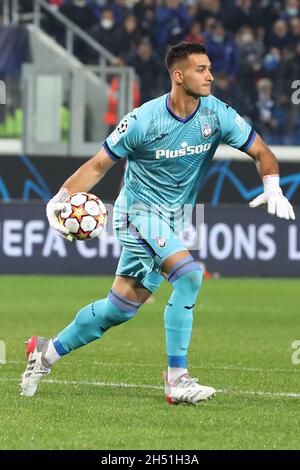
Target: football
[[84, 215]]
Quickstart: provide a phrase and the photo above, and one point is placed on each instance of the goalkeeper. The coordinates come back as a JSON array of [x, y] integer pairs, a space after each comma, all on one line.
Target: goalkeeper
[[169, 143]]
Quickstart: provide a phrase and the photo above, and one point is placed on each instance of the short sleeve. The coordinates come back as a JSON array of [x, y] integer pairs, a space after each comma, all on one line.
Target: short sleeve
[[125, 139], [236, 132]]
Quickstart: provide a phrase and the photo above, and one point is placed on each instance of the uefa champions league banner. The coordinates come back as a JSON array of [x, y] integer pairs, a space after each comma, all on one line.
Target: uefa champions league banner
[[231, 241]]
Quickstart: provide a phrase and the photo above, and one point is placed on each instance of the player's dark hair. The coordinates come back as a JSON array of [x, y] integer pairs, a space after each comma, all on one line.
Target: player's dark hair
[[182, 51]]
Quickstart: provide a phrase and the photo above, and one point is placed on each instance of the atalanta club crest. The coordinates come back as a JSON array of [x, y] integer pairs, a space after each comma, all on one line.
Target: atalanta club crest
[[161, 242], [206, 130]]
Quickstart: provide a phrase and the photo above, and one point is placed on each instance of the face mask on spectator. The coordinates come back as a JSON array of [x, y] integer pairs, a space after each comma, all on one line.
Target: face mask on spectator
[[107, 23], [246, 38], [292, 11], [79, 3], [218, 39], [271, 61]]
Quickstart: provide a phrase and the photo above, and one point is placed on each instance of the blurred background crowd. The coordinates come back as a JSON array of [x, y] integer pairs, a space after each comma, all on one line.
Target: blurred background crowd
[[254, 46]]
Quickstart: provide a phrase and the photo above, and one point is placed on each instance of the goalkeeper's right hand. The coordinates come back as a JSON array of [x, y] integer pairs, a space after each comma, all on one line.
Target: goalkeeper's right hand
[[53, 209]]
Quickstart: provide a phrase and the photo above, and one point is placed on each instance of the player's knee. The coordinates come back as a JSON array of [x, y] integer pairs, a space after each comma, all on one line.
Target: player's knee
[[186, 275], [189, 283], [194, 279]]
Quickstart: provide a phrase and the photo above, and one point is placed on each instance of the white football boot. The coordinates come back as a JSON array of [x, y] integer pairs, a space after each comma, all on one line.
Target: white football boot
[[35, 369], [186, 390]]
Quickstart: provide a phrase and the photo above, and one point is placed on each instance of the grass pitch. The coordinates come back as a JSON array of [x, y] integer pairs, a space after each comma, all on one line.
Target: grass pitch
[[109, 394]]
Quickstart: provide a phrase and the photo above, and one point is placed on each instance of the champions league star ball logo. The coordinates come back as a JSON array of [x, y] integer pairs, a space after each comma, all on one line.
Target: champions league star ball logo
[[206, 130], [122, 127]]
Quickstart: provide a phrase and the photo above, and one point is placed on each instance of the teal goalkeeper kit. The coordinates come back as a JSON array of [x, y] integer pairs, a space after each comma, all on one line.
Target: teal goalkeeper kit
[[167, 158]]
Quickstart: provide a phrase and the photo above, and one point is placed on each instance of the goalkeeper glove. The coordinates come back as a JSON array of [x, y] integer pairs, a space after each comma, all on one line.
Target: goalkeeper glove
[[278, 204], [53, 209]]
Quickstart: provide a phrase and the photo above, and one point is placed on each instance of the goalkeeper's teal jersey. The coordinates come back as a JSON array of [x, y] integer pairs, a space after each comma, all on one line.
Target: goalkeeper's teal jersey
[[168, 155]]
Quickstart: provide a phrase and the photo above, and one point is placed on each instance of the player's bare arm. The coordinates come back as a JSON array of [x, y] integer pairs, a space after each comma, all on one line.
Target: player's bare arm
[[89, 174], [268, 169], [85, 178], [264, 157]]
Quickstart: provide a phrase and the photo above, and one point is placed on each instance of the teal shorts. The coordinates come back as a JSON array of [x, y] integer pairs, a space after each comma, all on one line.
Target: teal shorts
[[147, 240]]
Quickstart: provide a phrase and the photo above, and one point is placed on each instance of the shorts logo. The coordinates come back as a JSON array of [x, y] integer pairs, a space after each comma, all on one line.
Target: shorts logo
[[161, 242], [206, 130], [122, 127]]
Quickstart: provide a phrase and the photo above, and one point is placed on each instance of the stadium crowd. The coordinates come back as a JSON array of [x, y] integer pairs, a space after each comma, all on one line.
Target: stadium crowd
[[254, 46]]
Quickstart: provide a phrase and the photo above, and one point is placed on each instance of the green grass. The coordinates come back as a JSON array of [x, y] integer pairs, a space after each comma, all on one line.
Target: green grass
[[241, 344]]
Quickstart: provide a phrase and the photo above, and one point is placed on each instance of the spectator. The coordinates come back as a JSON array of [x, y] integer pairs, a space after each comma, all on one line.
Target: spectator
[[56, 3], [223, 51], [269, 122], [291, 74], [280, 37], [98, 6], [270, 12], [251, 56], [147, 66], [80, 12], [260, 34], [236, 97], [106, 34], [145, 14], [223, 89], [192, 9], [209, 9], [272, 62], [292, 10], [120, 10], [260, 42], [143, 5], [243, 13], [129, 38], [294, 24], [194, 33], [172, 23], [209, 24]]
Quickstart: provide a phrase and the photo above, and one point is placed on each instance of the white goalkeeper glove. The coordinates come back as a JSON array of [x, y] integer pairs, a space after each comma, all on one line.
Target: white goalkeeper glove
[[278, 204], [53, 209]]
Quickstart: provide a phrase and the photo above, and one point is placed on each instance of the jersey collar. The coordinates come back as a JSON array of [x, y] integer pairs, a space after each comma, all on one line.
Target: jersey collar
[[178, 118]]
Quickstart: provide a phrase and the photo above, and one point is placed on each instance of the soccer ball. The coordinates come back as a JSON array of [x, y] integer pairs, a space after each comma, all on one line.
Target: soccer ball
[[84, 215]]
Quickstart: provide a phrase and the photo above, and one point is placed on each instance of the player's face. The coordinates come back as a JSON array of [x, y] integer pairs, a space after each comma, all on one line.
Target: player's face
[[197, 75]]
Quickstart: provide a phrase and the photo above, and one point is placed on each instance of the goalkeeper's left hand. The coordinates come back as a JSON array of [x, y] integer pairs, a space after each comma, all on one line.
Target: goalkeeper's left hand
[[272, 195]]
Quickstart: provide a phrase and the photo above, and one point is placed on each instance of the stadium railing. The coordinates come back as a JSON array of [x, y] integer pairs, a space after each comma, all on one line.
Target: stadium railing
[[20, 121]]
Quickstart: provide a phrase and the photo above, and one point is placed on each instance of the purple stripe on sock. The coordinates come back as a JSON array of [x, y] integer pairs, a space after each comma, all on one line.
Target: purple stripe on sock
[[188, 267], [180, 263], [122, 303], [137, 304]]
